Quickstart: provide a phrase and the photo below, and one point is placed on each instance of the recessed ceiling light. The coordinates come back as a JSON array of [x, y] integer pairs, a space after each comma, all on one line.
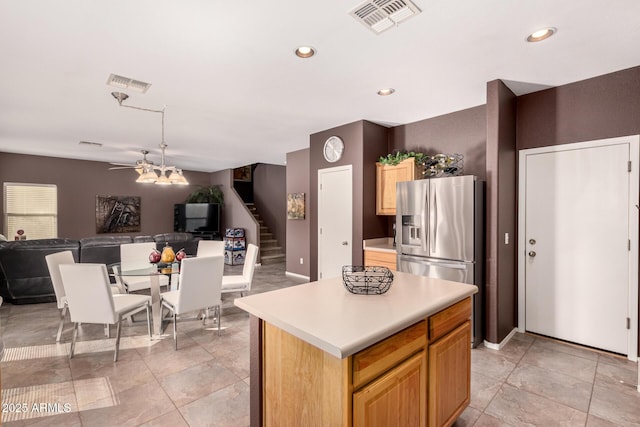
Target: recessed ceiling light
[[542, 34], [305, 51], [386, 92]]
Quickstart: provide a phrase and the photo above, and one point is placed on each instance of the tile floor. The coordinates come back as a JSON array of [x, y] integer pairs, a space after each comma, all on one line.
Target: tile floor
[[532, 381]]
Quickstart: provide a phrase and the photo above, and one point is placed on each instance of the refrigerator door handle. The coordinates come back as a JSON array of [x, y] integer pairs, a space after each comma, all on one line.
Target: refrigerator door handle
[[432, 217], [435, 223], [423, 225], [460, 265]]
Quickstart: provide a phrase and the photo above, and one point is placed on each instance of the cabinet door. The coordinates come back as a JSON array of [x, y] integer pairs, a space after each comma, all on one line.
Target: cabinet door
[[386, 178], [450, 376], [398, 398]]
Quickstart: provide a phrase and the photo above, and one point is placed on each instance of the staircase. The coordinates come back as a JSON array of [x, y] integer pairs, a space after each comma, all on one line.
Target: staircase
[[270, 251]]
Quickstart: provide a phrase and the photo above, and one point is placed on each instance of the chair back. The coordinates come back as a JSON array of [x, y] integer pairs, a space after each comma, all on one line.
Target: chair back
[[250, 263], [200, 283], [210, 248], [53, 264], [88, 294], [135, 256]]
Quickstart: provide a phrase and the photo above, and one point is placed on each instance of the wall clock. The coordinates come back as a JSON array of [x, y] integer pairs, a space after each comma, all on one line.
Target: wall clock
[[333, 149]]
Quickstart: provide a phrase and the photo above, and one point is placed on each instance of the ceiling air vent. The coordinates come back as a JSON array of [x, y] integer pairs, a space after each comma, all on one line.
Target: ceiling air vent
[[90, 143], [127, 83], [380, 15]]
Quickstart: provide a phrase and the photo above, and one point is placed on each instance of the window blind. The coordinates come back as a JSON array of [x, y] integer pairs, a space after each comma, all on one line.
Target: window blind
[[32, 208]]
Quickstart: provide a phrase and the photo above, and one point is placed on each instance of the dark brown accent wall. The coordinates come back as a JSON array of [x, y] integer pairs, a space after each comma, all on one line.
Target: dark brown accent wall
[[80, 181], [463, 132], [298, 231], [500, 280], [270, 198], [606, 106], [602, 107], [361, 139]]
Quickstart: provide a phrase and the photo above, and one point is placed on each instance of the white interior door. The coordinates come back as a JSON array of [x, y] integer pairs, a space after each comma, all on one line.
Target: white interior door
[[580, 272], [335, 221]]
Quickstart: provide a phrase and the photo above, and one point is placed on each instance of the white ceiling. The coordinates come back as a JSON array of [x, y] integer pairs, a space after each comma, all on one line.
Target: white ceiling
[[236, 94]]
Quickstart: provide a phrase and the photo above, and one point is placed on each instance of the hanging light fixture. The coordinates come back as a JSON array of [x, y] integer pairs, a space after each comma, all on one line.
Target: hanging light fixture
[[150, 173]]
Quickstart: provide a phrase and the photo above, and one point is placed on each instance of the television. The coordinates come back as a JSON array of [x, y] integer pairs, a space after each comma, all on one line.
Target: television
[[197, 218]]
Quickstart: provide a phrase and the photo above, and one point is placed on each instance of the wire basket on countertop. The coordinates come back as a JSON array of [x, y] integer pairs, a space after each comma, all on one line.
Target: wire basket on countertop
[[366, 280]]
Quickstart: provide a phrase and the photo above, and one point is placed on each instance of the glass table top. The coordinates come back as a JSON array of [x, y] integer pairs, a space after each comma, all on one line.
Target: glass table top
[[147, 270]]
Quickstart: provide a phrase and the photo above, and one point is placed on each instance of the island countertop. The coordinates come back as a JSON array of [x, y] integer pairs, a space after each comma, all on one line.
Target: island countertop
[[326, 315]]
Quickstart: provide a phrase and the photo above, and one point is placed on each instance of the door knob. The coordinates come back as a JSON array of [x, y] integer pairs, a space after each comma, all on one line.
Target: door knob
[[345, 243], [532, 254]]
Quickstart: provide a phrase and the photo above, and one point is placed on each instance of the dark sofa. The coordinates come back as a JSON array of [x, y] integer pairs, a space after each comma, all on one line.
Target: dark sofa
[[177, 241], [24, 276]]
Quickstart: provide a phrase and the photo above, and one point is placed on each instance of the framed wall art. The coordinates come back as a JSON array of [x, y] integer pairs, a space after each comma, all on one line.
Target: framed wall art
[[295, 206], [117, 214], [242, 174]]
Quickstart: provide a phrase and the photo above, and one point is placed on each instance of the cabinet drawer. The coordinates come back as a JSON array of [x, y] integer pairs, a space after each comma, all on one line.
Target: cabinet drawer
[[448, 319], [384, 259], [375, 360]]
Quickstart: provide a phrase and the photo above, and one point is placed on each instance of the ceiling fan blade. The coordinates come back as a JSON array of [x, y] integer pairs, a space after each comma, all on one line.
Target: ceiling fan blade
[[123, 164], [123, 167]]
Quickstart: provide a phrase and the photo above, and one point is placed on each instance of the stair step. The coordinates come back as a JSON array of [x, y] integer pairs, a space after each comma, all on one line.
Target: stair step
[[267, 243], [271, 250], [271, 259]]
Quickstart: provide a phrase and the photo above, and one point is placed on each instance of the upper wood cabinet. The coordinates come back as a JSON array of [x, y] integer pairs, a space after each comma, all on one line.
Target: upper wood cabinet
[[386, 178]]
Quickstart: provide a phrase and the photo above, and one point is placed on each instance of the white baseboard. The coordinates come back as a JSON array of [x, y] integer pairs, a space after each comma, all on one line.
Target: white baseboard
[[297, 276], [501, 344]]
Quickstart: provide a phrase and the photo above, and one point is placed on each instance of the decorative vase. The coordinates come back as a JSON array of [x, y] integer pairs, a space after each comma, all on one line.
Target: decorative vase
[[168, 256]]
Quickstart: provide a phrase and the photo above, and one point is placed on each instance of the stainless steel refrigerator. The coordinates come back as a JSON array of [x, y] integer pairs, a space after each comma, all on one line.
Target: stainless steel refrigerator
[[441, 234]]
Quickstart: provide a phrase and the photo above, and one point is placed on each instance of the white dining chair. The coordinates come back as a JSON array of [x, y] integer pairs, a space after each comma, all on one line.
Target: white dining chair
[[242, 283], [200, 286], [53, 264], [210, 248], [135, 256], [90, 300]]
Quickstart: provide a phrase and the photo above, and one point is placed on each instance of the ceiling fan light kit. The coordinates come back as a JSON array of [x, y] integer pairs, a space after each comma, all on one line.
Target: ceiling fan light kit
[[150, 173]]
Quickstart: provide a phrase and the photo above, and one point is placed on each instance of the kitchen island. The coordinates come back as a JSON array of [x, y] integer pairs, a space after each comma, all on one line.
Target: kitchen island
[[323, 356]]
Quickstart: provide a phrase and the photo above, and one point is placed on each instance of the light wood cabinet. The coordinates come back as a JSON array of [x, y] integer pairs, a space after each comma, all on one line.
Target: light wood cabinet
[[398, 398], [386, 178], [449, 364], [379, 258], [417, 377]]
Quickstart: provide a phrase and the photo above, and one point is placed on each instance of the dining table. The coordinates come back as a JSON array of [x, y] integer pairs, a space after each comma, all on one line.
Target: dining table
[[153, 271]]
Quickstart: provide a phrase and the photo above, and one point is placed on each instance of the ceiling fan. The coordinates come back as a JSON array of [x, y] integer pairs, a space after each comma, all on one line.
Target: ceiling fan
[[149, 172], [139, 166]]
